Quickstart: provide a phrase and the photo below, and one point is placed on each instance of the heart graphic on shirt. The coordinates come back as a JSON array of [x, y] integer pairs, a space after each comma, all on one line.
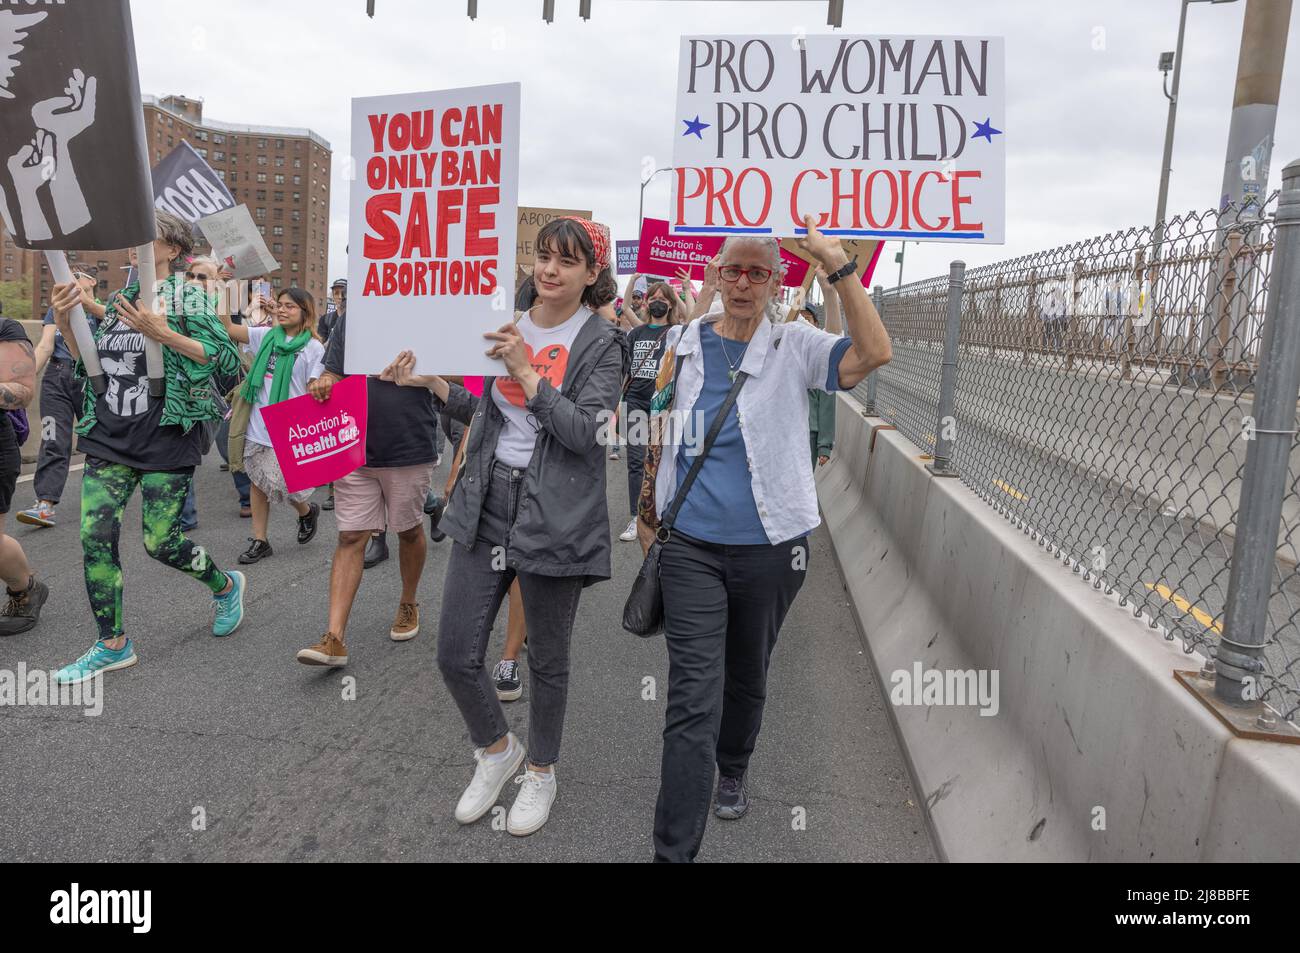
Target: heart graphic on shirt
[[550, 363]]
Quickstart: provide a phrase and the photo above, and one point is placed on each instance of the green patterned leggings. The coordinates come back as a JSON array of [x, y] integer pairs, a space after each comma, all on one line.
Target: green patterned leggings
[[105, 490]]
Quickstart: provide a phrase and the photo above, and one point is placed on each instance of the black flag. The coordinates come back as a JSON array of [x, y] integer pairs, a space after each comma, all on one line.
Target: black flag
[[186, 186], [74, 165]]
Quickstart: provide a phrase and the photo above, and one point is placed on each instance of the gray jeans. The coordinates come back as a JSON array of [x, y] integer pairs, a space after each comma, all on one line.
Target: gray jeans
[[477, 580], [61, 396]]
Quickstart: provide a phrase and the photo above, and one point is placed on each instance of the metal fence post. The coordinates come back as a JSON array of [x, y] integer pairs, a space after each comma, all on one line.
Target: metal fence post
[[945, 425], [1264, 482], [878, 299]]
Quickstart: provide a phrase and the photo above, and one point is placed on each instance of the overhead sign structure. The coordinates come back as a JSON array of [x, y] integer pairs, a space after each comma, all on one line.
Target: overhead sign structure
[[875, 136], [185, 185], [433, 227]]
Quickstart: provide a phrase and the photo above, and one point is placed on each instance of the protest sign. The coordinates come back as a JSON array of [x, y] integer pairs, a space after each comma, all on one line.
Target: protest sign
[[74, 165], [318, 443], [186, 186], [532, 221], [877, 137], [867, 253], [626, 257], [237, 243], [433, 224], [661, 254]]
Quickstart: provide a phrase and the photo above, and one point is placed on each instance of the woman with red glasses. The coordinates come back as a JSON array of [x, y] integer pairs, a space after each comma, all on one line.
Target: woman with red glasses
[[735, 556]]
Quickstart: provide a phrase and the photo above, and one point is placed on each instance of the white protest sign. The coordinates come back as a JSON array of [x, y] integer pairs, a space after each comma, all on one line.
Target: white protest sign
[[878, 137], [236, 241], [433, 226]]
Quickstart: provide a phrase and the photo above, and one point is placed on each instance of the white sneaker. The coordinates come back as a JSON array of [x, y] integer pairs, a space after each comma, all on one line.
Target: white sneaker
[[533, 804], [629, 534], [490, 777]]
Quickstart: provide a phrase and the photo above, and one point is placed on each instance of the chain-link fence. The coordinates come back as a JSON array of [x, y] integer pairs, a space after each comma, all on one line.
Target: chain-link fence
[[1104, 405]]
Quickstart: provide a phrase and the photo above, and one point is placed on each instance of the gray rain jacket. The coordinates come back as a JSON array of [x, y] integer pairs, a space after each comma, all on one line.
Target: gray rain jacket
[[562, 528]]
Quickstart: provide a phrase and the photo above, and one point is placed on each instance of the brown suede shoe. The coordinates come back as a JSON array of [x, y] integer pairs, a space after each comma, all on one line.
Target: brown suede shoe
[[407, 625], [330, 651]]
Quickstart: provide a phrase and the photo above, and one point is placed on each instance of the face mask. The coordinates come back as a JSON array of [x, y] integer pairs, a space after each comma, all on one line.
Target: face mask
[[658, 309]]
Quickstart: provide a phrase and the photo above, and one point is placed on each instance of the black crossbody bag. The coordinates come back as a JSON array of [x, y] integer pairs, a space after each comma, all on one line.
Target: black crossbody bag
[[643, 614]]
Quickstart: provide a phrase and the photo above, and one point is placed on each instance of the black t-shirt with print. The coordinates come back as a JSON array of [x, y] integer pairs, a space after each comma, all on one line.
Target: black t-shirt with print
[[401, 420], [128, 421], [646, 344]]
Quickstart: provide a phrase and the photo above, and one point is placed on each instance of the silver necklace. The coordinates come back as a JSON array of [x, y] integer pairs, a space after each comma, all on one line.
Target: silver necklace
[[731, 366]]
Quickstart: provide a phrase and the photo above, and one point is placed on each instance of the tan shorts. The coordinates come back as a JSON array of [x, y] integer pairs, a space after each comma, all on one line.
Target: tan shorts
[[382, 498]]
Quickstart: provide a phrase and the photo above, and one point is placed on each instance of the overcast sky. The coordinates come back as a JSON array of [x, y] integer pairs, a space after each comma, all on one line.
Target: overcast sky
[[1085, 113]]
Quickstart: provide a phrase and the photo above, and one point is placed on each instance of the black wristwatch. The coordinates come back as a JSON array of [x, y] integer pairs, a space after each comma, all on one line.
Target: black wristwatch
[[848, 268]]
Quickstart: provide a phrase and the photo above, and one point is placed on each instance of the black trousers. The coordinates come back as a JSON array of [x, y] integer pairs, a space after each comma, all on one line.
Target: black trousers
[[723, 609], [634, 452], [61, 405]]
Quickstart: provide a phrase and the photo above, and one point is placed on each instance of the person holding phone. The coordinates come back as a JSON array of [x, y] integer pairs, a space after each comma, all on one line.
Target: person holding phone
[[286, 357]]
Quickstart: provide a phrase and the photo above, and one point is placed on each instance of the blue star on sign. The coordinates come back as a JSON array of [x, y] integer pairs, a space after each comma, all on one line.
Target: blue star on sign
[[694, 126], [986, 130]]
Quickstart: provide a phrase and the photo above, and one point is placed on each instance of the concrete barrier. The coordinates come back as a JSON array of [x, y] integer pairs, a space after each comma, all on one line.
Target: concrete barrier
[[1095, 752]]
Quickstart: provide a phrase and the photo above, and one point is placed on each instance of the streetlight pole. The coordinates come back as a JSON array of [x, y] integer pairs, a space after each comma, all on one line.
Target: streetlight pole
[[640, 215], [1166, 164]]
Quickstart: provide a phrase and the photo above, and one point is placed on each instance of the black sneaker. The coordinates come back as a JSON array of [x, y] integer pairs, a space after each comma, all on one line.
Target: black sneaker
[[733, 800], [506, 675], [376, 551], [329, 503], [23, 609], [258, 549], [307, 524]]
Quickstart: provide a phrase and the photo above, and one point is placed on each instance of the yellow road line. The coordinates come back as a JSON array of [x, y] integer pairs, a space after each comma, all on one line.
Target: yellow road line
[[1200, 615], [1010, 490]]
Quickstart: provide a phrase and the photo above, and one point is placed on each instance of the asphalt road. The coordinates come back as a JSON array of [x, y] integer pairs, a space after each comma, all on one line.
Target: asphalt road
[[231, 750]]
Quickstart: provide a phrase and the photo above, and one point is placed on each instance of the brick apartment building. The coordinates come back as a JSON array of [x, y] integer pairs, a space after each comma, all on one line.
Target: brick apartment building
[[281, 174]]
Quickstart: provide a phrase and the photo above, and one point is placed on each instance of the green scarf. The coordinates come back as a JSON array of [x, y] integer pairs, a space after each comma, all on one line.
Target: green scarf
[[286, 353]]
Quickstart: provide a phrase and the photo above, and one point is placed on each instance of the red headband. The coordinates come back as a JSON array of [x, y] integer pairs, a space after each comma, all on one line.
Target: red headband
[[599, 236]]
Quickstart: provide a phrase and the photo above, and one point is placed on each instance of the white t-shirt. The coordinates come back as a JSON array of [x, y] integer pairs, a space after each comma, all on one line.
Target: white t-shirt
[[548, 350], [308, 365]]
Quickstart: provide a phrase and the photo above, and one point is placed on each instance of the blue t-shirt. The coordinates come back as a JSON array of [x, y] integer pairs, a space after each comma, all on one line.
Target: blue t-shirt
[[720, 507], [61, 352]]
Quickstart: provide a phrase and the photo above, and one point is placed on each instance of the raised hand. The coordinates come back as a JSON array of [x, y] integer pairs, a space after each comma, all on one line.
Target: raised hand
[[827, 250]]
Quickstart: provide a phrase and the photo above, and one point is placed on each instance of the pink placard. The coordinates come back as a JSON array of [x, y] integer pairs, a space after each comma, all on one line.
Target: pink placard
[[659, 253], [474, 385], [316, 443]]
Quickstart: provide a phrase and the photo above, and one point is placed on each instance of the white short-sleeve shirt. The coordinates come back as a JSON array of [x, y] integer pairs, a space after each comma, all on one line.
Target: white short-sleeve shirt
[[308, 365]]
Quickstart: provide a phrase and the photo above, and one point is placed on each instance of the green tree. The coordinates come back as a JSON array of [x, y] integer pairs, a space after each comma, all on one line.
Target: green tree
[[16, 298]]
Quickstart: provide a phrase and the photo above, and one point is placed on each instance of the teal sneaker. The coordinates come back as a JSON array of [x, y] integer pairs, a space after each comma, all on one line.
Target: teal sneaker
[[100, 658], [230, 607]]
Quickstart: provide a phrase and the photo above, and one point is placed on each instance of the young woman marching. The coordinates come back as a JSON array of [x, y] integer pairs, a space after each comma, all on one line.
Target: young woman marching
[[530, 504], [131, 439], [288, 355]]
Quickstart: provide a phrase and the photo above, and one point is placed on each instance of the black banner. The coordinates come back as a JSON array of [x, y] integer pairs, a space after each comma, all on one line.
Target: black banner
[[186, 186], [74, 167]]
